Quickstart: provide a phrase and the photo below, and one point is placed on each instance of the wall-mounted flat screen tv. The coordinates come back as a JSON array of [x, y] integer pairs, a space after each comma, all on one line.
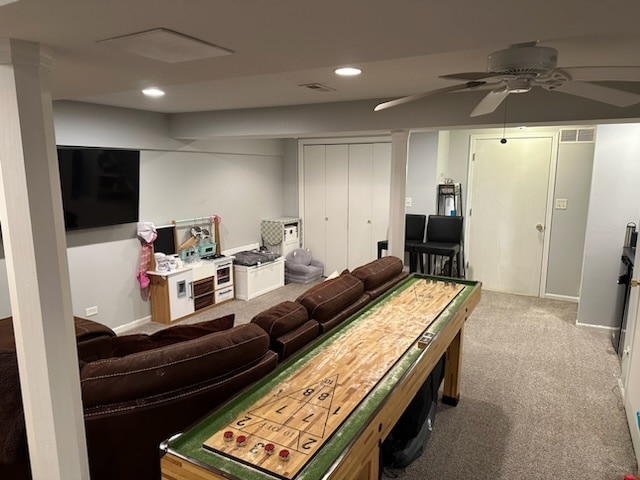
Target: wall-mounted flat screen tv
[[100, 186]]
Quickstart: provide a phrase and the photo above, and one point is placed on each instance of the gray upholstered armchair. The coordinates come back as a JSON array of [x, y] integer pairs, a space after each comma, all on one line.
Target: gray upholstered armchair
[[301, 267]]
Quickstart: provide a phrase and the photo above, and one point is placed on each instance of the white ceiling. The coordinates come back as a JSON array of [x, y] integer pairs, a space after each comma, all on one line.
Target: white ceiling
[[402, 46]]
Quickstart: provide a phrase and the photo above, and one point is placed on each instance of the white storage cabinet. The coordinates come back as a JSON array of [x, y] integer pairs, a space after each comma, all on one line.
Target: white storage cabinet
[[251, 282]]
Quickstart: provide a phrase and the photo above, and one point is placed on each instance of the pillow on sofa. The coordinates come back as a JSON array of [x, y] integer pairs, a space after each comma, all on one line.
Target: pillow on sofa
[[128, 344], [375, 273], [328, 298], [281, 318], [140, 377]]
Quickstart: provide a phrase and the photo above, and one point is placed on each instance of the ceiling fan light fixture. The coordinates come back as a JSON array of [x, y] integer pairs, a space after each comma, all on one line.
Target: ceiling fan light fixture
[[519, 85], [348, 71], [153, 92]]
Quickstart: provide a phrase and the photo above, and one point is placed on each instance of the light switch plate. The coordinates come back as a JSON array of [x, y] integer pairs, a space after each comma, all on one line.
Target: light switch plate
[[561, 203], [408, 201]]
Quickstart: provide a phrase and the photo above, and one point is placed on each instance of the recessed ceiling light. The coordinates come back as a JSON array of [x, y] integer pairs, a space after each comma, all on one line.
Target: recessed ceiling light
[[153, 92], [348, 71]]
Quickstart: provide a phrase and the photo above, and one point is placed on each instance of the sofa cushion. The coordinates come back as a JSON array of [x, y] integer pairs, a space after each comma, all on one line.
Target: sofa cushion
[[162, 370], [281, 318], [377, 272], [128, 344], [325, 300]]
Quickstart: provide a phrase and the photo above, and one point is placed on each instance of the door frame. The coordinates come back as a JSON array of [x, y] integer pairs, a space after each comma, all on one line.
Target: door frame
[[554, 136]]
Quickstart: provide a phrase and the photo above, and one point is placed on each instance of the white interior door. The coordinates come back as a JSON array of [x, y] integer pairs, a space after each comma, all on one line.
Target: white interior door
[[630, 376], [381, 195], [507, 221], [314, 203], [336, 200], [360, 204], [369, 173]]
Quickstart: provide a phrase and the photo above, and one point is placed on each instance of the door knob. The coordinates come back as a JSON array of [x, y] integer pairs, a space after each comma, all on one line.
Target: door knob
[[539, 227]]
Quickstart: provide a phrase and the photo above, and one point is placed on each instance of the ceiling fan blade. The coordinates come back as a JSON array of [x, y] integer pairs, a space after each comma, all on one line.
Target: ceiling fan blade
[[612, 96], [601, 74], [411, 98], [469, 75], [490, 102]]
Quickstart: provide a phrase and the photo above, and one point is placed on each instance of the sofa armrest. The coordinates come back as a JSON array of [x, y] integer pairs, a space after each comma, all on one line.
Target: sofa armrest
[[289, 343]]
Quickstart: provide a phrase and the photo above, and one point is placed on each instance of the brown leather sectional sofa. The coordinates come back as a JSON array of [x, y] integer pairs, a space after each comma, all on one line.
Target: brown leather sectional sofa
[[138, 390]]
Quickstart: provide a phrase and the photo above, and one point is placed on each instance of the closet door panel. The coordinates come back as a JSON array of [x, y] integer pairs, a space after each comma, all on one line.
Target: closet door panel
[[360, 204], [337, 189], [381, 194], [313, 228]]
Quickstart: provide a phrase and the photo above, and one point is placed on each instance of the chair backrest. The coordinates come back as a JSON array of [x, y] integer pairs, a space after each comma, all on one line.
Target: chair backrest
[[445, 229], [414, 226]]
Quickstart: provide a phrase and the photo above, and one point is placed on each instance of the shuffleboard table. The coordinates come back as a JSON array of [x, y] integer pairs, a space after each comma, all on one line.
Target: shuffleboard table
[[325, 412]]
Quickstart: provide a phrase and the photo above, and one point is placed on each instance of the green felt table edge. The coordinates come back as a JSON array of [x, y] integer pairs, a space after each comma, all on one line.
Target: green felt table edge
[[189, 444]]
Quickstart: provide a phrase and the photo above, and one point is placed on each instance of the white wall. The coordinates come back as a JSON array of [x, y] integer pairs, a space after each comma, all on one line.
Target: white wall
[[291, 205], [242, 189], [568, 227], [614, 201], [240, 180], [421, 172]]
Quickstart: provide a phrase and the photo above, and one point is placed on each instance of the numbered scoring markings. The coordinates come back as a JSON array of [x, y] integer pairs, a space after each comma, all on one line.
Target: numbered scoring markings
[[296, 421]]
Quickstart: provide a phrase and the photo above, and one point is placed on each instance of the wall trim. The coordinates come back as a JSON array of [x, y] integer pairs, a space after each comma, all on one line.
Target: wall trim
[[131, 325], [565, 298], [591, 325]]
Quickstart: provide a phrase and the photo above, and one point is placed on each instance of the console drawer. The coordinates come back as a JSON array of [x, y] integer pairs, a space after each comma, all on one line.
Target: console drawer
[[203, 301], [224, 294], [203, 287]]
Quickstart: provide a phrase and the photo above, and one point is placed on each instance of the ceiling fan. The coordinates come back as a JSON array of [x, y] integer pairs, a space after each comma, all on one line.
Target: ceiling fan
[[523, 66]]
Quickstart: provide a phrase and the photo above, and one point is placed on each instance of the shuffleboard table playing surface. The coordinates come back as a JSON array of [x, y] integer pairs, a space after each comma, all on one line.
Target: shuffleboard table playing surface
[[298, 420]]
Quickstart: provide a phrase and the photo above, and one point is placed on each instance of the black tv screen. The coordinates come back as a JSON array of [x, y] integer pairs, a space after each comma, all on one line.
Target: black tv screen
[[99, 186]]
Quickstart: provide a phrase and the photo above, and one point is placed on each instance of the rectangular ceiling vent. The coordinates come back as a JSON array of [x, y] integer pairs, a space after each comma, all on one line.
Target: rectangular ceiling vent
[[318, 87], [577, 135]]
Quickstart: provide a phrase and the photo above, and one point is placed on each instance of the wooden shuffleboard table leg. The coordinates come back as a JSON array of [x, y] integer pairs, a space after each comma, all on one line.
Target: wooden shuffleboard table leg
[[451, 388]]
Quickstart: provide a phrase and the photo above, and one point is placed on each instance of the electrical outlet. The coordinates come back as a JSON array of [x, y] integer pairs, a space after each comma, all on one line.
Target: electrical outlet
[[561, 203], [408, 201], [90, 311]]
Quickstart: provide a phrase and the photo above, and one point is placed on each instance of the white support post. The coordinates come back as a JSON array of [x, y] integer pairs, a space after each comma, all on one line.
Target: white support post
[[399, 141], [37, 269]]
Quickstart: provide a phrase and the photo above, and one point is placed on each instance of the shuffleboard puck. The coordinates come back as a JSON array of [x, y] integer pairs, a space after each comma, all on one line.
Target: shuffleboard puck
[[284, 455]]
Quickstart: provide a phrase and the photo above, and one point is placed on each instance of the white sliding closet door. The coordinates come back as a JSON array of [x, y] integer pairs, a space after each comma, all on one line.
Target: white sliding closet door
[[325, 204], [337, 215], [369, 170], [313, 224]]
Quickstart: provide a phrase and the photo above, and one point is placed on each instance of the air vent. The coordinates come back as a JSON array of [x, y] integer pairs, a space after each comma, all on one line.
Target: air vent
[[318, 87], [577, 135], [586, 134]]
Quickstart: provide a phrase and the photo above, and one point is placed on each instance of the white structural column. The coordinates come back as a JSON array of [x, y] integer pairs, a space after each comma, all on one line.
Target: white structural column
[[37, 268], [399, 141]]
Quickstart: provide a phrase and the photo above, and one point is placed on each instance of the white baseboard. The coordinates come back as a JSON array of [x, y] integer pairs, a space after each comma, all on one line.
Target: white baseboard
[[130, 326], [601, 327], [566, 298]]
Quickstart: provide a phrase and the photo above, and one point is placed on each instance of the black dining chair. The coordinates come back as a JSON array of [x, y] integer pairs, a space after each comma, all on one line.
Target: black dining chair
[[444, 239], [414, 228]]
